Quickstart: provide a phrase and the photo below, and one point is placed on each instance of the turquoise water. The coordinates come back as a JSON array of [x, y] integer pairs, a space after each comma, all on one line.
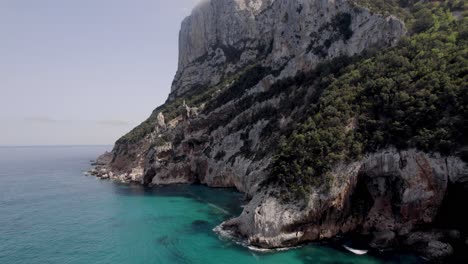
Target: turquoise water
[[51, 213]]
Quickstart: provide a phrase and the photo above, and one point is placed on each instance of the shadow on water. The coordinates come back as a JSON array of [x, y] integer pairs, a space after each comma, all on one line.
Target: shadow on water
[[171, 245], [227, 200], [201, 226]]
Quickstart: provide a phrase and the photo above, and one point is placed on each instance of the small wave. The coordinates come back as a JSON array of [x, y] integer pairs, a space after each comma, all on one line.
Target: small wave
[[219, 208], [227, 234], [266, 250]]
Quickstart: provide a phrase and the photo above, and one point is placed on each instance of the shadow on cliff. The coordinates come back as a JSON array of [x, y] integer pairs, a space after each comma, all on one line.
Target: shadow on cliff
[[453, 216]]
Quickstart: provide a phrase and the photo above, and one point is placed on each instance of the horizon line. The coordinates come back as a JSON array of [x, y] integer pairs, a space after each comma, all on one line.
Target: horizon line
[[57, 146]]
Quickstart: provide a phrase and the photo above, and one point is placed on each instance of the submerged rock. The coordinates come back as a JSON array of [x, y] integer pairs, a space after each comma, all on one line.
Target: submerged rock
[[201, 226]]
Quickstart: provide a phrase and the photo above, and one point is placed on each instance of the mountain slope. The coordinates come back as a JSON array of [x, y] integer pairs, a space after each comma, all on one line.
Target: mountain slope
[[333, 116]]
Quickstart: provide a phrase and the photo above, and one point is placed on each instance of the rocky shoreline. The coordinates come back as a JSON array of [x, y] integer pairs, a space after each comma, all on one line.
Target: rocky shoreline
[[393, 197], [404, 192]]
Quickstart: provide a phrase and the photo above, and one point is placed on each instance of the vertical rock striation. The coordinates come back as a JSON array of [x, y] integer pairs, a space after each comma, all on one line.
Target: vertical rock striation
[[221, 37]]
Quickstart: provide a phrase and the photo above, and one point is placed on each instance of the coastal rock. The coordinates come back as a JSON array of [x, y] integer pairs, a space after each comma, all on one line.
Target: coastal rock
[[391, 192], [383, 239], [408, 186], [429, 244], [268, 221], [103, 160], [437, 250]]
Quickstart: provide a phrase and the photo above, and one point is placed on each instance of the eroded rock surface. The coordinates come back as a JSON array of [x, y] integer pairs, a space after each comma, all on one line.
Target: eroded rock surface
[[389, 194]]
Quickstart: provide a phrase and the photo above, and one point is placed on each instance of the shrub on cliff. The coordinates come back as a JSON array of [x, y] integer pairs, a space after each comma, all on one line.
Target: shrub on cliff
[[413, 95]]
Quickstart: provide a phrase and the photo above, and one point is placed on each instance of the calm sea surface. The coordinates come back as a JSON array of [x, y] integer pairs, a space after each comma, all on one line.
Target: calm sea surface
[[51, 213]]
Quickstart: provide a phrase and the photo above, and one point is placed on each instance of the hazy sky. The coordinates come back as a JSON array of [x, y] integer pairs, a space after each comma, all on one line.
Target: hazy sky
[[84, 71]]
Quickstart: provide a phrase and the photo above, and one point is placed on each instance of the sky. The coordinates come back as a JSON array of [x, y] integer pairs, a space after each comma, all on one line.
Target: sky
[[84, 72]]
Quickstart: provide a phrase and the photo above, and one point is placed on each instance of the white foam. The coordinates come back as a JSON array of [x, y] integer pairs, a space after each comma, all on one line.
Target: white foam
[[231, 236]]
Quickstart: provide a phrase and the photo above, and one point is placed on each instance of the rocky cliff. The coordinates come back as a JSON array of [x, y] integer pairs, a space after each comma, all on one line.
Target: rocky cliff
[[223, 37], [232, 52], [387, 195], [248, 72]]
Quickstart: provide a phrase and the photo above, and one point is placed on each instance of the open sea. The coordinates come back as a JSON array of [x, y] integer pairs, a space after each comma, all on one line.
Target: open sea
[[50, 212]]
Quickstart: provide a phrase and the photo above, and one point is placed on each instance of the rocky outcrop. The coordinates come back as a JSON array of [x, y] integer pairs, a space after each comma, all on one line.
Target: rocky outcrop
[[228, 144], [236, 93], [103, 160], [389, 194]]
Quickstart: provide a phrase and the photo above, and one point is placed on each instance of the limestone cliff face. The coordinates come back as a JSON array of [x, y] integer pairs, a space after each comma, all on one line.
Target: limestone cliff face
[[235, 94], [222, 37], [228, 137]]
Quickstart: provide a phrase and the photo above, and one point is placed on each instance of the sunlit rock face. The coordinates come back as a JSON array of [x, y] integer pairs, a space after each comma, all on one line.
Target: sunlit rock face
[[221, 37]]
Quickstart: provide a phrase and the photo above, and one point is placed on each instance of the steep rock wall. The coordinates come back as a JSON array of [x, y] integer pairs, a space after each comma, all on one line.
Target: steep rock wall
[[222, 37], [227, 144]]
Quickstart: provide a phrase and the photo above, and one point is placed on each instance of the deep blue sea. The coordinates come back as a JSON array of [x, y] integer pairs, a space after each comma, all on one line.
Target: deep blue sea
[[50, 212]]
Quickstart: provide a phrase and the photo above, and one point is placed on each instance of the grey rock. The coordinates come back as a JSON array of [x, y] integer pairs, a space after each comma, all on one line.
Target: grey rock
[[423, 237], [383, 239], [160, 120], [453, 234], [222, 36], [437, 250], [103, 160]]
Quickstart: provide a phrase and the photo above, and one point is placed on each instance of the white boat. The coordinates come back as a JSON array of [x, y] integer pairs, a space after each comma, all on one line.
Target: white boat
[[356, 251]]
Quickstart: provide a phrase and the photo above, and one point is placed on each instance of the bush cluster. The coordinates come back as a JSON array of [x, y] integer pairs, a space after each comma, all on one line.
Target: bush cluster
[[413, 95]]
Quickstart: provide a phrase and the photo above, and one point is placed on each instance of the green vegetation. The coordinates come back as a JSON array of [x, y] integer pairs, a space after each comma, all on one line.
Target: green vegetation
[[171, 109], [413, 95], [249, 77]]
